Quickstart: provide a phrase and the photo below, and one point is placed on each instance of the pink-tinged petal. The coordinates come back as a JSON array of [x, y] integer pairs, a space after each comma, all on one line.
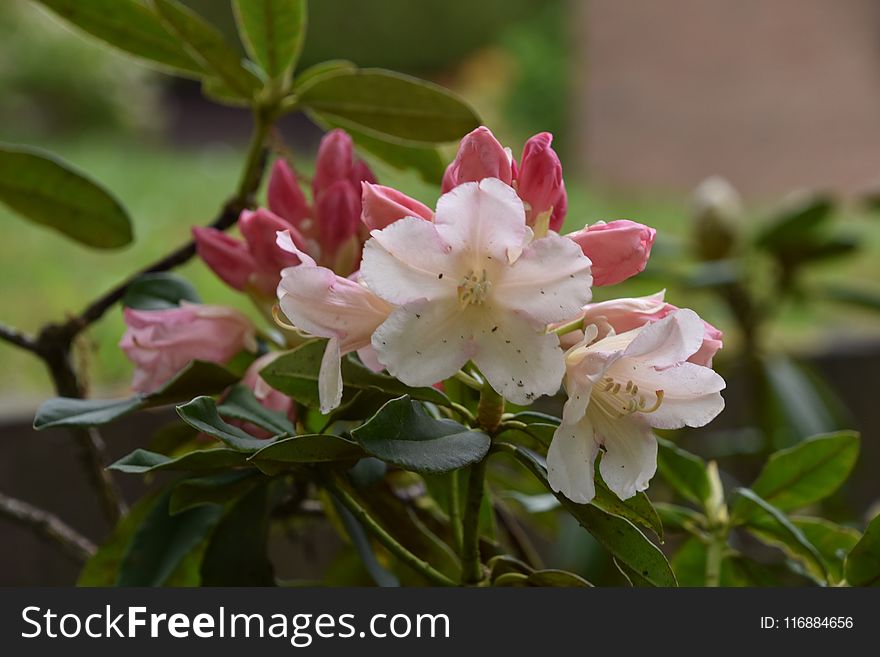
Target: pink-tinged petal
[[570, 461], [227, 257], [479, 156], [263, 392], [618, 249], [260, 229], [549, 282], [630, 458], [285, 241], [330, 377], [485, 219], [560, 209], [669, 341], [334, 162], [408, 261], [383, 206], [370, 358], [519, 362], [539, 179], [425, 342], [360, 172], [337, 214], [286, 198], [712, 343], [626, 314]]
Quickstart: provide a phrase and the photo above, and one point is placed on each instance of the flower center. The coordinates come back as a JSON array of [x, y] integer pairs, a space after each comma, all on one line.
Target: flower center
[[625, 400], [474, 288]]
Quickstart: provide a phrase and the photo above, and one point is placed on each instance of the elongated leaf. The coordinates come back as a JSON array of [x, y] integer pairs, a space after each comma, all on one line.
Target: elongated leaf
[[618, 535], [680, 517], [637, 509], [390, 106], [196, 378], [159, 291], [402, 433], [309, 448], [364, 547], [201, 413], [504, 563], [273, 31], [241, 404], [684, 471], [323, 69], [213, 489], [778, 530], [806, 473], [799, 218], [804, 410], [140, 461], [862, 566], [833, 542], [46, 190], [237, 553], [207, 45], [130, 26], [163, 541], [557, 578]]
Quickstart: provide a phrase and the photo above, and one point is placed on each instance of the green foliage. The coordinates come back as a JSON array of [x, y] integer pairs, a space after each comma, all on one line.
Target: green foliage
[[201, 414], [159, 291], [862, 565], [684, 471], [273, 32], [141, 461]]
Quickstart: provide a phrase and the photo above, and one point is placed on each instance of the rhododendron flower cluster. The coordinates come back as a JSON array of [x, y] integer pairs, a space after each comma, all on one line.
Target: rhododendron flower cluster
[[485, 286]]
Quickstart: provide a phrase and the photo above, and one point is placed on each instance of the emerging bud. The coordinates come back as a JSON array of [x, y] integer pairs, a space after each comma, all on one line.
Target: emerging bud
[[479, 156], [618, 249], [717, 209], [539, 179], [384, 205], [227, 257], [260, 229], [286, 199], [334, 162], [338, 209]]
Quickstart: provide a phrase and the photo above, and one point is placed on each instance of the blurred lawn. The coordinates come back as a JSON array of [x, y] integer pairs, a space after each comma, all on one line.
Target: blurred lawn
[[43, 276]]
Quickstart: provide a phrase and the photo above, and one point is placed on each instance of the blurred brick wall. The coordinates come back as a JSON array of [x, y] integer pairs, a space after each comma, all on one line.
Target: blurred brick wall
[[773, 94]]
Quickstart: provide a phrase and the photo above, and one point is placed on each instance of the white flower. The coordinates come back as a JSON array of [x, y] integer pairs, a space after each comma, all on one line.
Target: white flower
[[621, 387], [472, 286]]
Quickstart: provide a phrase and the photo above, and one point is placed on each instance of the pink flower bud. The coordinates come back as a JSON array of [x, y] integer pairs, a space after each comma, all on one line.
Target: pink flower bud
[[338, 214], [384, 205], [618, 249], [334, 162], [260, 229], [286, 199], [539, 179], [560, 208], [162, 342], [479, 156], [265, 394], [360, 172], [227, 257]]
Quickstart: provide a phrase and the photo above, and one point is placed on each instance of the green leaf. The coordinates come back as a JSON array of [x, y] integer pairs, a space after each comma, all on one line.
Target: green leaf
[[511, 580], [159, 291], [557, 578], [130, 26], [273, 31], [402, 433], [241, 404], [237, 553], [390, 106], [804, 410], [198, 377], [504, 563], [201, 413], [777, 530], [792, 223], [806, 473], [856, 296], [862, 567], [140, 461], [207, 45], [637, 509], [212, 489], [689, 564], [685, 472], [163, 541], [321, 70], [680, 517], [833, 542], [618, 535], [309, 448], [46, 190]]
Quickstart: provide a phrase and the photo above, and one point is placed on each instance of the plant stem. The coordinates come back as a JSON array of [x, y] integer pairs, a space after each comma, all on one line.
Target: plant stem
[[48, 526], [471, 567], [386, 539], [573, 325], [714, 556], [490, 409], [468, 380], [455, 511]]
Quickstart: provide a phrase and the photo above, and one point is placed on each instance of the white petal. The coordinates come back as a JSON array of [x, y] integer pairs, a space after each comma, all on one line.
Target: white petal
[[630, 458], [424, 342], [570, 461], [409, 260], [485, 219], [691, 393], [550, 281], [370, 358], [670, 341], [330, 377], [520, 362]]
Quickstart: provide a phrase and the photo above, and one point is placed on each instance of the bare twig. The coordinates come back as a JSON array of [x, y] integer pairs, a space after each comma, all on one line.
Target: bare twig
[[17, 338], [48, 526]]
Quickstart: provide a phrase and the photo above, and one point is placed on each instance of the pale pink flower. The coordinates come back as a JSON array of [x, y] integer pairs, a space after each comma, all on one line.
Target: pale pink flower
[[618, 249]]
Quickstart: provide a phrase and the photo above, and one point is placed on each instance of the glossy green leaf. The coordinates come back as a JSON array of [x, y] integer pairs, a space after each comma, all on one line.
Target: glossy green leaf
[[637, 509], [680, 517], [861, 297], [207, 45], [140, 461], [273, 31], [159, 291], [833, 542], [213, 489], [685, 472], [402, 433], [46, 190], [241, 404], [557, 578], [504, 563], [806, 473], [201, 413], [391, 106], [862, 567], [198, 377], [237, 552], [309, 448], [321, 70], [130, 26], [617, 535], [162, 542]]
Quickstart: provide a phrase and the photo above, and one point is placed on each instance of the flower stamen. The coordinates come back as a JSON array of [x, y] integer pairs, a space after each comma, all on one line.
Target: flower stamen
[[630, 400], [474, 288]]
